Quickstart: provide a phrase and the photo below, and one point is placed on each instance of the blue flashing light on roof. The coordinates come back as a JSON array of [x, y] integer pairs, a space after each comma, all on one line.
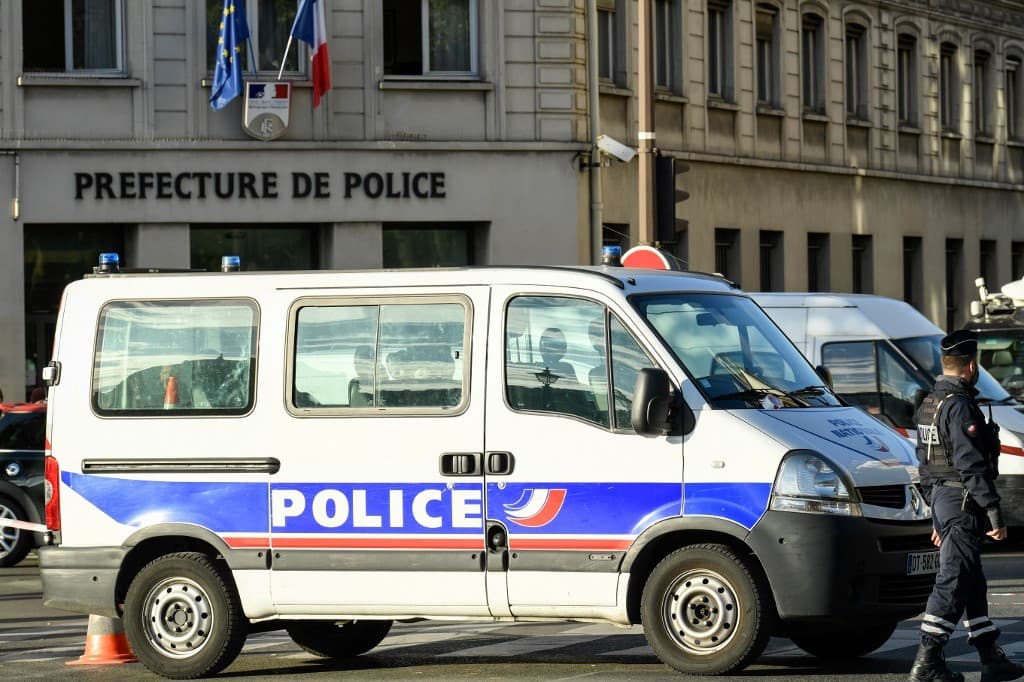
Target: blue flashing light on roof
[[230, 263], [611, 255], [109, 262]]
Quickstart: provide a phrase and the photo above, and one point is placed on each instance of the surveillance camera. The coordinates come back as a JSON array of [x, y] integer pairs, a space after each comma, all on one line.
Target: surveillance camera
[[613, 147]]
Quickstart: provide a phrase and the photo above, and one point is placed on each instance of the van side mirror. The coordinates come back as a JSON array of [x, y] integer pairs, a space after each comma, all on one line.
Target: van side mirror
[[825, 375], [652, 405]]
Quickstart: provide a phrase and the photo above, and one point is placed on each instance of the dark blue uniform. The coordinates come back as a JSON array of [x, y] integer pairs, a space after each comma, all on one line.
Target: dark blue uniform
[[958, 451]]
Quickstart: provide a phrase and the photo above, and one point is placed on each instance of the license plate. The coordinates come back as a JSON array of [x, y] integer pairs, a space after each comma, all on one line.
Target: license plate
[[922, 563]]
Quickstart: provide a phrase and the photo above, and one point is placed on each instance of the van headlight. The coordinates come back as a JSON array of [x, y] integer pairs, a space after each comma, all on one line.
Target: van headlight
[[809, 483]]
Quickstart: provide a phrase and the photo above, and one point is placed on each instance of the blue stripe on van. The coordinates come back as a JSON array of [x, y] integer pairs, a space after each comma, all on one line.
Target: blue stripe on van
[[743, 503], [221, 506]]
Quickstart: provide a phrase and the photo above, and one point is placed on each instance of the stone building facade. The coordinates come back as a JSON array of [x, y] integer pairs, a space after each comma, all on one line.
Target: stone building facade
[[872, 145]]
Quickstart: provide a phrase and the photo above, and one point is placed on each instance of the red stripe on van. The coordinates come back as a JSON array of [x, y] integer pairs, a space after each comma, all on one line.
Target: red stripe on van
[[616, 545], [377, 543], [1010, 450]]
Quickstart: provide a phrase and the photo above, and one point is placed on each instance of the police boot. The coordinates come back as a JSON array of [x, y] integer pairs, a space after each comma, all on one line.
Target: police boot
[[996, 667], [930, 664]]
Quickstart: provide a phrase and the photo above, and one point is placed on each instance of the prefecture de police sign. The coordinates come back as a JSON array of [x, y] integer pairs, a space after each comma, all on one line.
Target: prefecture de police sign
[[265, 115]]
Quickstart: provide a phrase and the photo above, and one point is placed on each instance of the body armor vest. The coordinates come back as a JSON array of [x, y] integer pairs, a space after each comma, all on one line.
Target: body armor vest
[[933, 449]]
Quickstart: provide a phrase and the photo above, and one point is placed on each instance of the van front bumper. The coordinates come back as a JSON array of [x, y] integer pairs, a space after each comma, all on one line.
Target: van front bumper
[[833, 568], [1011, 492], [81, 579]]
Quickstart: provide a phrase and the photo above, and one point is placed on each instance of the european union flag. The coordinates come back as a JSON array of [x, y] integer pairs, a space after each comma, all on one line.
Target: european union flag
[[227, 74]]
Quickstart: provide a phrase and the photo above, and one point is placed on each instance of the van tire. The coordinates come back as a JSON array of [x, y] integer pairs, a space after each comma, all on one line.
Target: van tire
[[14, 542], [208, 627], [333, 639], [725, 604], [842, 642]]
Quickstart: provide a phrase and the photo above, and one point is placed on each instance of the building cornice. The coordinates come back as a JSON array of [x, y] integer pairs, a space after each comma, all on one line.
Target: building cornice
[[1007, 16]]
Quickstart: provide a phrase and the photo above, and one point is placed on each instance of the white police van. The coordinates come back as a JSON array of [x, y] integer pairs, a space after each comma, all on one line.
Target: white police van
[[883, 356], [329, 452]]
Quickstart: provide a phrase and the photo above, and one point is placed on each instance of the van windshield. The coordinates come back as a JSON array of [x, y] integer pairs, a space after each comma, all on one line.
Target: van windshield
[[735, 354], [925, 352]]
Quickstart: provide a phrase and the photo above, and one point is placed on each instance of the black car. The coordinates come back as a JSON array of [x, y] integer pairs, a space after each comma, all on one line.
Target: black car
[[22, 437]]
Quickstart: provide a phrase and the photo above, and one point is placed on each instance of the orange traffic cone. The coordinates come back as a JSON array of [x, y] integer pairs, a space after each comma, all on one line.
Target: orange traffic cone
[[171, 393], [105, 643]]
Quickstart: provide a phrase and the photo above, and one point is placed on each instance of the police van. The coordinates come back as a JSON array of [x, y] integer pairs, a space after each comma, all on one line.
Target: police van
[[883, 356], [330, 452]]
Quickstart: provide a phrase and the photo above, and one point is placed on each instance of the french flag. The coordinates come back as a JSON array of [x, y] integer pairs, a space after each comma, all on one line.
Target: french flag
[[310, 27]]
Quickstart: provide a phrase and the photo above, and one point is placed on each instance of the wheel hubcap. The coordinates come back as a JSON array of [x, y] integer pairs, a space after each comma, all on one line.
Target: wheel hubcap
[[8, 536], [701, 612], [178, 617]]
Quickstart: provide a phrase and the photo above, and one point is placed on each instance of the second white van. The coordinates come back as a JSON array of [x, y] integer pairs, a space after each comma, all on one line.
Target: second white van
[[883, 356]]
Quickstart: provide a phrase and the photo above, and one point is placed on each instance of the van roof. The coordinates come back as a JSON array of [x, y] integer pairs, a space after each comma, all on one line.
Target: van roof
[[633, 280], [870, 315]]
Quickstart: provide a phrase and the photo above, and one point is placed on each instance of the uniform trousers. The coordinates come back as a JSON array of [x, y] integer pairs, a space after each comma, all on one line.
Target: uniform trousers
[[960, 585]]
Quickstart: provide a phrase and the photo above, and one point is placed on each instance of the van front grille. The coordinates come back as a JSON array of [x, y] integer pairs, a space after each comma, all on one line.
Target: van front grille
[[891, 496], [905, 543], [905, 589]]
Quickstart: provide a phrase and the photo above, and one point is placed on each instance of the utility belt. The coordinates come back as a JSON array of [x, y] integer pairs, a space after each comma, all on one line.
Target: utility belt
[[966, 503], [950, 484]]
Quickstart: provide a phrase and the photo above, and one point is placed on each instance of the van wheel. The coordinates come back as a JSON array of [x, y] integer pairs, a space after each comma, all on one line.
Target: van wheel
[[331, 639], [14, 542], [842, 642], [183, 618], [704, 611]]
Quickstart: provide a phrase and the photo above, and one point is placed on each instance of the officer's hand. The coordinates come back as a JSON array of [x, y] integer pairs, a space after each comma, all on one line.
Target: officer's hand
[[936, 539], [998, 533]]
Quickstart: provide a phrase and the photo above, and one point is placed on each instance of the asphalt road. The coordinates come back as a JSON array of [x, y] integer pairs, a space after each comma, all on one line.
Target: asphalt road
[[36, 643]]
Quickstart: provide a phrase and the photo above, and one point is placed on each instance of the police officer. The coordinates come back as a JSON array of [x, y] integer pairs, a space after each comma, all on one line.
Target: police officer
[[958, 452]]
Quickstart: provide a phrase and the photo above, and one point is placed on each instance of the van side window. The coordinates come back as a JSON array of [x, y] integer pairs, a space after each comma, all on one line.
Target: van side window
[[175, 357], [557, 360], [627, 361], [872, 376], [370, 355]]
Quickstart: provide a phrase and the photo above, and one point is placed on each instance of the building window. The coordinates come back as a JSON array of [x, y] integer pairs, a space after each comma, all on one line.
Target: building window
[[609, 42], [913, 272], [772, 261], [982, 92], [270, 22], [84, 36], [666, 45], [987, 267], [863, 273], [817, 261], [906, 79], [430, 37], [1016, 260], [719, 49], [856, 72], [267, 247], [727, 254], [954, 281], [427, 245], [1012, 94], [767, 57], [948, 87], [813, 63]]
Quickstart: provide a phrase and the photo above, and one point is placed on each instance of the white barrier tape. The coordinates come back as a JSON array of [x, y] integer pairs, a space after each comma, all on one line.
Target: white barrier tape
[[23, 525]]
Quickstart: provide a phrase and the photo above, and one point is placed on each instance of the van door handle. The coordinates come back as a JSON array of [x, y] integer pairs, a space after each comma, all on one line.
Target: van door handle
[[500, 463], [460, 464]]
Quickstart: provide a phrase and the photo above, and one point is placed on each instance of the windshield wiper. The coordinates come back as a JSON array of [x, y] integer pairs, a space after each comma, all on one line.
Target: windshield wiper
[[810, 390], [754, 393]]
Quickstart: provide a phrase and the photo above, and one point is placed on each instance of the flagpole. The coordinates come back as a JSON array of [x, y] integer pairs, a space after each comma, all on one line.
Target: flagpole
[[285, 57]]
